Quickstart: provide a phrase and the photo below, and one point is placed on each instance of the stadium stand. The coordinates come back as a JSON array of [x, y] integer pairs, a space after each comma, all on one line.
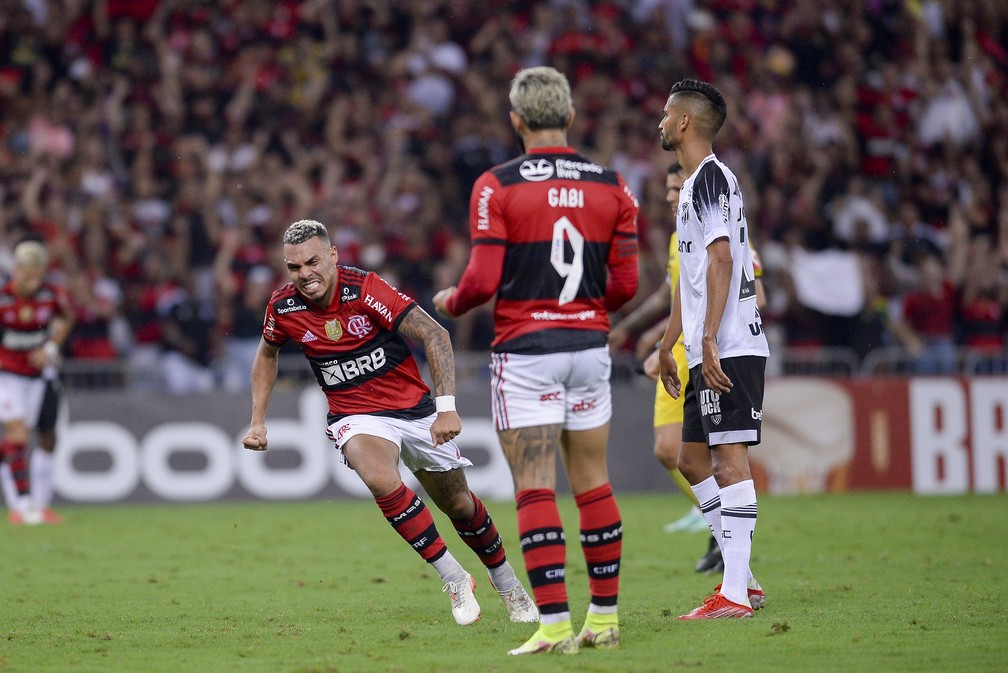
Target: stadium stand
[[160, 147]]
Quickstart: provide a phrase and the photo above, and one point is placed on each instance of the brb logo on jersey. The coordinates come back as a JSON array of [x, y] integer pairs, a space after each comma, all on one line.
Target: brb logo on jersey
[[710, 405], [359, 326], [536, 171], [335, 372]]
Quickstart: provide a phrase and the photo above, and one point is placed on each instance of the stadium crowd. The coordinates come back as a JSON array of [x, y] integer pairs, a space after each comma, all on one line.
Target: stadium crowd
[[161, 147]]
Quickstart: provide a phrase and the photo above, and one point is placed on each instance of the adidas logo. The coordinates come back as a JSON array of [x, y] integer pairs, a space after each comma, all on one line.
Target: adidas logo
[[308, 336]]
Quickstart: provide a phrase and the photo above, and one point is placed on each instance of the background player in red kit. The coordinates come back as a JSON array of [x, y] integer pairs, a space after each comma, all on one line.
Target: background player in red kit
[[35, 319], [350, 324], [554, 235]]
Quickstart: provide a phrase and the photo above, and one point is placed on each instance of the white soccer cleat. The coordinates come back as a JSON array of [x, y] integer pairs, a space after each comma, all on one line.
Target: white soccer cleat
[[465, 609], [520, 607], [692, 521], [26, 517]]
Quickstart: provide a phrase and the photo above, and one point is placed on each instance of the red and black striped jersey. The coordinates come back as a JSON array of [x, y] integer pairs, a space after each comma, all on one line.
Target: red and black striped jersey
[[359, 359], [554, 234], [24, 325]]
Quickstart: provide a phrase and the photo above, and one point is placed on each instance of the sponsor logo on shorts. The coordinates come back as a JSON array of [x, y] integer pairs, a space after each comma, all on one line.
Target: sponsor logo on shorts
[[550, 397], [583, 405], [757, 415], [342, 431], [710, 405]]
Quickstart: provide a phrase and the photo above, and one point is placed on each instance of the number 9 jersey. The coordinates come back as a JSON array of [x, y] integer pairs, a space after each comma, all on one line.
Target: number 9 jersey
[[554, 235]]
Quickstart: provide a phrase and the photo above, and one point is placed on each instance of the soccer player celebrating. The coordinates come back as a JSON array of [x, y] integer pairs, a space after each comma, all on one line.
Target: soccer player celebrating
[[554, 235], [350, 324], [714, 309]]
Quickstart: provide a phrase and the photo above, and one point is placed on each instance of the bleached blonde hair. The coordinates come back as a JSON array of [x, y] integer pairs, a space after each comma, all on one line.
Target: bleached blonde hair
[[542, 97], [31, 254]]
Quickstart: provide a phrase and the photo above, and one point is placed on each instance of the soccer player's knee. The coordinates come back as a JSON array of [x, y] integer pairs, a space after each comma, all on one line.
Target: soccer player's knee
[[726, 474], [458, 506], [667, 455]]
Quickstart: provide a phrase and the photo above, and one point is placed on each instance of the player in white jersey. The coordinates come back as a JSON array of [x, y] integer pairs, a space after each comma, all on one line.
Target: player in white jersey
[[714, 308]]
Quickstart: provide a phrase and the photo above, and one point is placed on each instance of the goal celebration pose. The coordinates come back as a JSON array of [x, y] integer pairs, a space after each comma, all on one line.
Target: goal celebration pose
[[350, 324]]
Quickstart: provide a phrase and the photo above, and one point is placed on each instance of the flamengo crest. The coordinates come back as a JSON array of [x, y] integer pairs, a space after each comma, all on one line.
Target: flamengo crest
[[359, 326]]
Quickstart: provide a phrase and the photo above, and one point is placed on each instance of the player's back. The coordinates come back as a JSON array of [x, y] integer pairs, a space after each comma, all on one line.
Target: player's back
[[562, 215]]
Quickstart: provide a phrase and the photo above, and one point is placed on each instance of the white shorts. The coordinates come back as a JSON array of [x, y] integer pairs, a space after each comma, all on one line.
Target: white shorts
[[571, 389], [412, 436], [21, 397]]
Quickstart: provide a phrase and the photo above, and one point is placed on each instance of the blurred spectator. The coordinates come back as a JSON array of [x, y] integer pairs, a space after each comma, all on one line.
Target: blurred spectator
[[142, 135], [188, 344], [926, 323], [243, 319]]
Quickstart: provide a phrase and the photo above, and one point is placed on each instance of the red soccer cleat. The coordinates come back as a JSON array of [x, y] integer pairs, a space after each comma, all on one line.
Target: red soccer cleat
[[716, 606], [757, 598], [51, 517]]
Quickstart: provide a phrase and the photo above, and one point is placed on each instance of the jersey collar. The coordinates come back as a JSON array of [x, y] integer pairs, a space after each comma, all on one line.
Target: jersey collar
[[560, 149]]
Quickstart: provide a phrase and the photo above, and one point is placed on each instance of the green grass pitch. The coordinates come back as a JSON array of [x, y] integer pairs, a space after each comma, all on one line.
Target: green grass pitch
[[855, 582]]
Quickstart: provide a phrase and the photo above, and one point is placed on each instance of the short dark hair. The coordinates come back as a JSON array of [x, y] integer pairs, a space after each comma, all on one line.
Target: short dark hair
[[716, 110], [303, 230]]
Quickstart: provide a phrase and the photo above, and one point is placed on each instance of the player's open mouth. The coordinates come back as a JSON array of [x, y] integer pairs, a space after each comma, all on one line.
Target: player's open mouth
[[311, 285]]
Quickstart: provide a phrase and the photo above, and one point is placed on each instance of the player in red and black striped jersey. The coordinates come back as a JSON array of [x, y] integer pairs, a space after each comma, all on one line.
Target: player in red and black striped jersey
[[35, 319], [554, 236], [350, 324]]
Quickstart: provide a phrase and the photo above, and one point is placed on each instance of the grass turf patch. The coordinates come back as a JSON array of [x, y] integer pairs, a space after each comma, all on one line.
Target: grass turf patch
[[854, 582]]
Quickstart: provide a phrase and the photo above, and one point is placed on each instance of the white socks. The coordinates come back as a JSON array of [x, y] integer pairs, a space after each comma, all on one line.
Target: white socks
[[42, 465], [448, 568], [7, 484], [503, 577], [738, 521], [708, 495]]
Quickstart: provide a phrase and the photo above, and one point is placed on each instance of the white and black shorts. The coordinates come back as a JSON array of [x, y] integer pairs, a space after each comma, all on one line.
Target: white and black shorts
[[735, 417]]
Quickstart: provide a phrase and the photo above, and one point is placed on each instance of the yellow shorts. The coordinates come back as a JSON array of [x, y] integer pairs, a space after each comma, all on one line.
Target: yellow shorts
[[667, 410]]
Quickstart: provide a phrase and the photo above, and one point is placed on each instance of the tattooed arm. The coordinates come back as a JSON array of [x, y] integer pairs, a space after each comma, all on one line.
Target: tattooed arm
[[419, 326]]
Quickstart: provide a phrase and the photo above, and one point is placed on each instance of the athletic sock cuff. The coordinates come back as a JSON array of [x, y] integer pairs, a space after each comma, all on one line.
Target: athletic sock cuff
[[738, 495], [595, 494], [533, 495]]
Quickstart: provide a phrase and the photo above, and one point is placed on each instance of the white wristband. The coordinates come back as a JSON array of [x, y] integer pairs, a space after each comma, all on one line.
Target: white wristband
[[51, 350], [444, 403]]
